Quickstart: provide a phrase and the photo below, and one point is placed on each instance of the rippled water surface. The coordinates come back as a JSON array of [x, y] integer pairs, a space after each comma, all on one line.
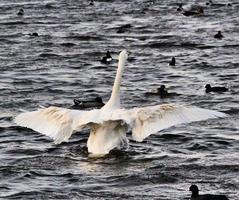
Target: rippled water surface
[[62, 63]]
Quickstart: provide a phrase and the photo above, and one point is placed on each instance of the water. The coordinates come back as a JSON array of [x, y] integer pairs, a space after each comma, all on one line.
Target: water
[[63, 63]]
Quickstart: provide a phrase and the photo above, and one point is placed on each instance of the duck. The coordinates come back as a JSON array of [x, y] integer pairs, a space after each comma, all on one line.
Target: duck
[[196, 196], [34, 34], [162, 92], [96, 103], [209, 3], [106, 59], [108, 125], [218, 35], [190, 10], [172, 62], [91, 3], [124, 28], [216, 4], [20, 12], [215, 89]]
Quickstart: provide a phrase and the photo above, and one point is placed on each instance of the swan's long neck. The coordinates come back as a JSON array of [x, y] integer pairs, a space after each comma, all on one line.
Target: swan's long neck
[[115, 95]]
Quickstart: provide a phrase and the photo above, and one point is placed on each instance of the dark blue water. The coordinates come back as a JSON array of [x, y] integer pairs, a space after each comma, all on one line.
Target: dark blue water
[[62, 63]]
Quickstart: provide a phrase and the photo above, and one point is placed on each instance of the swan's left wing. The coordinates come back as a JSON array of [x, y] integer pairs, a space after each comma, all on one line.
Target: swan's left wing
[[148, 120], [57, 123]]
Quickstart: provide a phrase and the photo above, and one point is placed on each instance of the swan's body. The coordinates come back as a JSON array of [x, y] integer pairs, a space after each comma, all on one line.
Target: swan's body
[[109, 124]]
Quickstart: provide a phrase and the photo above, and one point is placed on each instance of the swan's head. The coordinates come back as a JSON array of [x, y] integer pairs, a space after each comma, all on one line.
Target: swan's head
[[123, 55]]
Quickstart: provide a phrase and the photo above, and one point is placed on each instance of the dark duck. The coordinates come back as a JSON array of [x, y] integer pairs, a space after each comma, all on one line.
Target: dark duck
[[215, 89], [91, 3], [107, 58], [190, 10], [20, 12], [172, 62], [95, 103], [218, 35], [34, 34], [162, 92], [196, 196]]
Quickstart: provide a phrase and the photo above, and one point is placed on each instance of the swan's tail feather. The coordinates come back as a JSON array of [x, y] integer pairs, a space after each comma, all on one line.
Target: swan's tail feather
[[53, 122]]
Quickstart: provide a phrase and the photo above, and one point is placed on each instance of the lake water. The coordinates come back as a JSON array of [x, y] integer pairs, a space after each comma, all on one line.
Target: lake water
[[62, 63]]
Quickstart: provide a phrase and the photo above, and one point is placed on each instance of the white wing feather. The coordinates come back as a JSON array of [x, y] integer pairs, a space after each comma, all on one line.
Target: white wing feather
[[57, 123], [60, 123], [148, 120]]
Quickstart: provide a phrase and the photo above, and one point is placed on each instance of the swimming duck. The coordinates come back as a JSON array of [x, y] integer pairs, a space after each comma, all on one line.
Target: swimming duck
[[20, 12], [162, 92], [218, 35], [217, 4], [106, 59], [35, 34], [124, 28], [215, 89], [91, 3], [172, 62], [209, 3], [96, 103], [196, 196], [190, 10]]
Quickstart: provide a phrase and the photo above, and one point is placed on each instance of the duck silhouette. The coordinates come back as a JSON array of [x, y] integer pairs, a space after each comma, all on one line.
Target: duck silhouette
[[196, 196], [172, 62], [95, 103], [218, 35], [91, 3], [34, 34], [124, 28], [20, 12], [190, 10], [107, 58], [215, 89], [162, 92]]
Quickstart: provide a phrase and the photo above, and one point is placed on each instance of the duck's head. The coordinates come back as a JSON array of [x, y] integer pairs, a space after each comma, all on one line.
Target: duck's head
[[208, 86], [193, 189], [180, 7], [99, 100], [161, 89], [108, 54]]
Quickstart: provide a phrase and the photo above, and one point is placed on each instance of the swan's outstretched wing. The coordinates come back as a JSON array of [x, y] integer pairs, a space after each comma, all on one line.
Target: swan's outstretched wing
[[57, 123], [148, 120]]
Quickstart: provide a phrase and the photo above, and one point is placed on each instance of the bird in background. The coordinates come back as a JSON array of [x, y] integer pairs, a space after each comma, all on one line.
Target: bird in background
[[209, 88], [107, 58], [196, 196], [218, 35]]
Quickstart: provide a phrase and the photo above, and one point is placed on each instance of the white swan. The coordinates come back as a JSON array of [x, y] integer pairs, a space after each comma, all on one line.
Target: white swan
[[108, 125]]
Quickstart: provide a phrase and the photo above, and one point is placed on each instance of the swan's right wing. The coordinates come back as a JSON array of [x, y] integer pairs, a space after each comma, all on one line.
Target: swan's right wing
[[55, 122], [148, 120]]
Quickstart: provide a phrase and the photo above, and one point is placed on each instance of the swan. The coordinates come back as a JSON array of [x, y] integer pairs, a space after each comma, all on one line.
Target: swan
[[108, 125]]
